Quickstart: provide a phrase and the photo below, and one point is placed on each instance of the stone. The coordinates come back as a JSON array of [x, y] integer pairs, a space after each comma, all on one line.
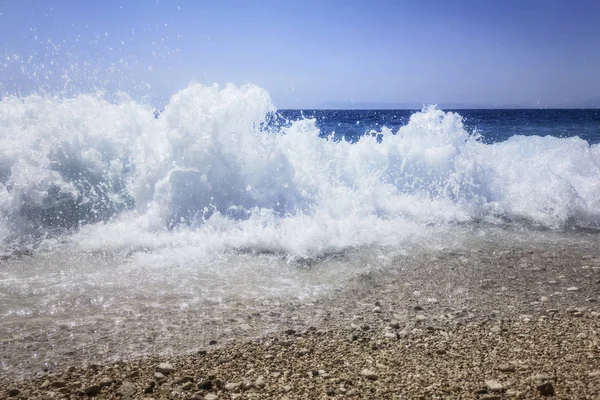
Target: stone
[[159, 376], [133, 374], [506, 368], [260, 383], [92, 390], [232, 386], [165, 368], [197, 396], [490, 396], [58, 384], [494, 386], [377, 310], [46, 384], [211, 396], [187, 386], [572, 289], [367, 373], [150, 387], [496, 329], [184, 379], [594, 374], [13, 392], [546, 389], [105, 382], [205, 384], [127, 389]]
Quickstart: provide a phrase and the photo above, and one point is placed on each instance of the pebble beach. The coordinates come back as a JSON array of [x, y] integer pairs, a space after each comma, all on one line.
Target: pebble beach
[[525, 332]]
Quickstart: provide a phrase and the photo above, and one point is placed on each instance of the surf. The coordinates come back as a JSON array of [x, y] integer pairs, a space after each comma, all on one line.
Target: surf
[[212, 170]]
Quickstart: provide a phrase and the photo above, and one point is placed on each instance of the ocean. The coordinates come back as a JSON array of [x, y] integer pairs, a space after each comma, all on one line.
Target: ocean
[[114, 216]]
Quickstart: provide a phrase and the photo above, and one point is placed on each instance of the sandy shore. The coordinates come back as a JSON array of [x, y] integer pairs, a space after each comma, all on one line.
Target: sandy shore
[[512, 323]]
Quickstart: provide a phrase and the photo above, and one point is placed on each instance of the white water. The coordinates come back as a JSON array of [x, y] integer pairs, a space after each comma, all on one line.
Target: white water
[[205, 176]]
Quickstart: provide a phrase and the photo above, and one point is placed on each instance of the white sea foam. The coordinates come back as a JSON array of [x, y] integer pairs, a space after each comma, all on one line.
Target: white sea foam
[[207, 176]]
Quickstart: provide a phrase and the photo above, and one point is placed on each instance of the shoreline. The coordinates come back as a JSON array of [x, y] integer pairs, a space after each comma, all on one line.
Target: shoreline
[[438, 326], [493, 359]]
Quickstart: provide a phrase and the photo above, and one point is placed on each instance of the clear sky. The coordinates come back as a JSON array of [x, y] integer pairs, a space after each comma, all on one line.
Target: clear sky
[[309, 53]]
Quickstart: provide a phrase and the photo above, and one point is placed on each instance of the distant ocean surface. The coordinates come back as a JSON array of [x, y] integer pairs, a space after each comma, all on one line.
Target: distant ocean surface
[[110, 212], [493, 125]]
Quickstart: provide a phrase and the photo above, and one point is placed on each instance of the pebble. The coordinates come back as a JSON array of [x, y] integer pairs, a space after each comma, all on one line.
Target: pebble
[[92, 390], [572, 289], [127, 389], [490, 396], [232, 386], [260, 382], [594, 374], [506, 368], [367, 373], [165, 368], [377, 310], [546, 389], [187, 386], [211, 396], [205, 384], [494, 386], [105, 382], [13, 392], [159, 376]]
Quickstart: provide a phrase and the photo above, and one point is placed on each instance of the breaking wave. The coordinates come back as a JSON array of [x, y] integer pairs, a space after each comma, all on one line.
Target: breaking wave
[[213, 171]]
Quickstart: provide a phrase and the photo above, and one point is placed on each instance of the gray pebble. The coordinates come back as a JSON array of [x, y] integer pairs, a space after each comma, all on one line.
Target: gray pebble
[[165, 368]]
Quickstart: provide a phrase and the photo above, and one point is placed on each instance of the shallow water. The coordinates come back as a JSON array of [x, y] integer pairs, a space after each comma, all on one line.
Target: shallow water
[[68, 305]]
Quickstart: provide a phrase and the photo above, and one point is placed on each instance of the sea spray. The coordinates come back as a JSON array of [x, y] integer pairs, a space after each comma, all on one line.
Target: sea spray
[[212, 173]]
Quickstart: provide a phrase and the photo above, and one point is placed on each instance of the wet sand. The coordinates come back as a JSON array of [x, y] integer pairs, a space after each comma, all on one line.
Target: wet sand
[[507, 321]]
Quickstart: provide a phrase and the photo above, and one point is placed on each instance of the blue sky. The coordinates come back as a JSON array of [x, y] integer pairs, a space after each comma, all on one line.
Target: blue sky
[[309, 53]]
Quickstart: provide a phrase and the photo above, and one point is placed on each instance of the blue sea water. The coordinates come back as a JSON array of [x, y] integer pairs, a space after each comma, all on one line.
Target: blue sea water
[[493, 125]]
